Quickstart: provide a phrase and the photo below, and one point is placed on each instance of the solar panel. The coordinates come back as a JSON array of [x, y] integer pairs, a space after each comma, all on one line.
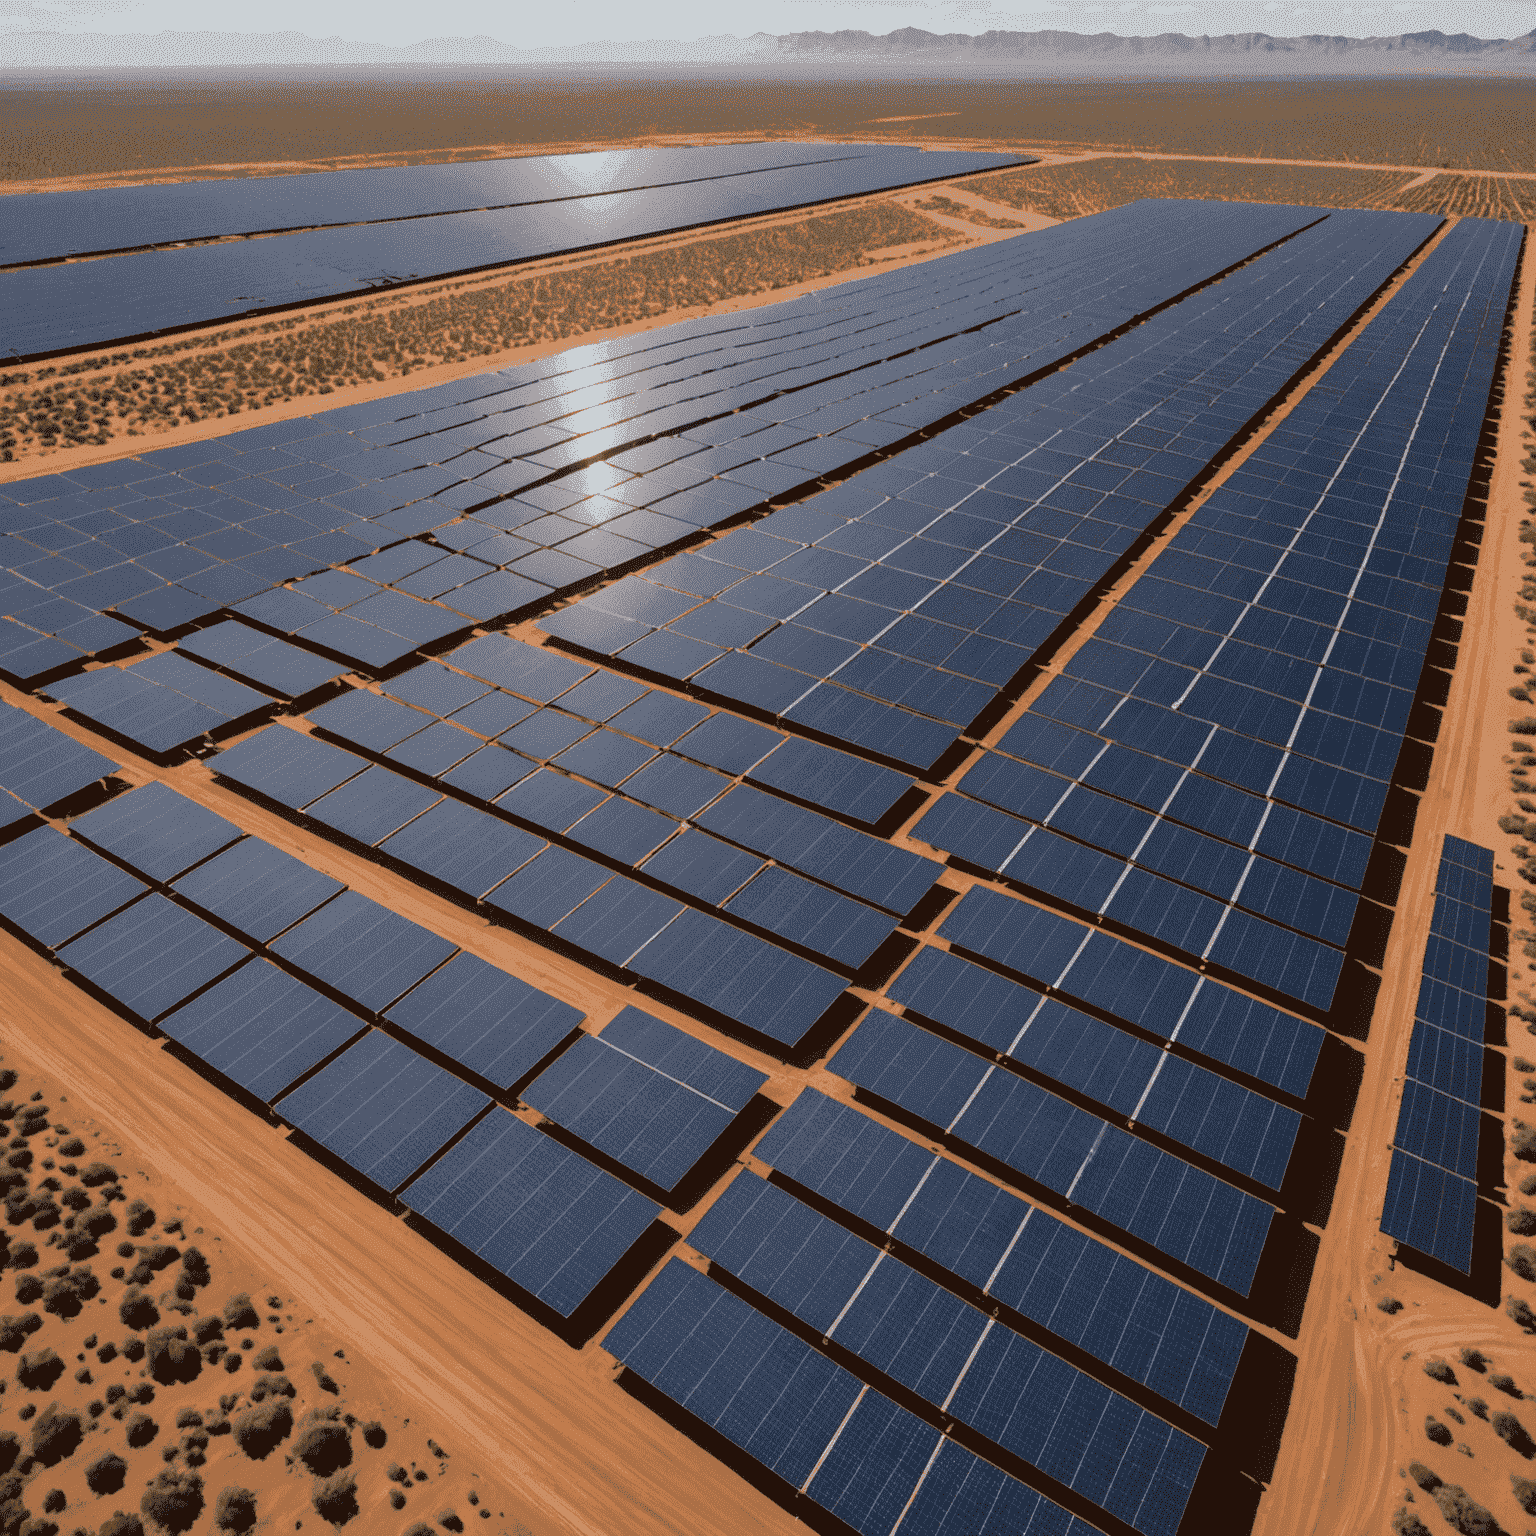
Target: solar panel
[[51, 887], [641, 1093], [261, 1028], [1431, 1210], [535, 1211], [287, 766], [382, 1109], [152, 955], [156, 831], [493, 1023], [469, 850], [362, 950], [253, 657], [1179, 1209], [40, 765], [257, 889]]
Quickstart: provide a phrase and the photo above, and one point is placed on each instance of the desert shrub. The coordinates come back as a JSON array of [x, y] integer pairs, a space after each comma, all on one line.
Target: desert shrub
[[373, 1434], [259, 1430], [106, 1474], [271, 1386], [207, 1330], [55, 1435], [324, 1448], [136, 1310], [133, 1348], [239, 1313], [141, 1430], [94, 1174], [396, 1499], [141, 1392], [171, 1357], [267, 1359], [97, 1222], [235, 1510], [39, 1370], [1423, 1476], [158, 1256], [1436, 1430], [64, 1295], [189, 1418], [1501, 1381], [420, 1528], [14, 1331], [1521, 1221], [335, 1499], [21, 1256], [1525, 1493], [1520, 1313], [10, 1449], [1522, 1259], [174, 1499], [28, 1289], [1477, 1406], [54, 1501], [1512, 1432], [449, 1520], [1522, 1142], [122, 1525], [1440, 1370], [1474, 1359], [140, 1218], [1462, 1513], [323, 1379]]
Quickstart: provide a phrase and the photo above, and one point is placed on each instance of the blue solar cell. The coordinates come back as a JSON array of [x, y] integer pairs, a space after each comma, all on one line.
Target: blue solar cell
[[152, 955], [373, 805], [382, 1109], [287, 766], [1431, 1210], [261, 1028], [487, 1020], [362, 950], [156, 831], [257, 889], [52, 887], [40, 765], [609, 1092], [533, 1210]]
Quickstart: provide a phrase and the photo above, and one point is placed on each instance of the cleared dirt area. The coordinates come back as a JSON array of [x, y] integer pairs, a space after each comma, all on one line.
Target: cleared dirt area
[[90, 125]]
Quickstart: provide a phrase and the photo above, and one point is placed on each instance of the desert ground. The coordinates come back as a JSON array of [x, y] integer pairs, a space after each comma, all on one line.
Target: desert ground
[[468, 1389]]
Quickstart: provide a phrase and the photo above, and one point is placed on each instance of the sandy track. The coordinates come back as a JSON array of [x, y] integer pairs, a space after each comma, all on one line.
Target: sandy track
[[1346, 1436]]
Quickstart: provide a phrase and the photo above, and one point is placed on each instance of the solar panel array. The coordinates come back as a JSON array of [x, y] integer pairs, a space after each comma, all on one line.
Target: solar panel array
[[57, 307], [928, 583], [1431, 1201], [992, 1306], [51, 225], [1029, 1402], [1208, 752], [850, 1450]]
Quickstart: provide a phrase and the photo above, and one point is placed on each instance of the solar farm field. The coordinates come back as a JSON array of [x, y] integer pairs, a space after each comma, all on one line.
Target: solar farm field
[[862, 910]]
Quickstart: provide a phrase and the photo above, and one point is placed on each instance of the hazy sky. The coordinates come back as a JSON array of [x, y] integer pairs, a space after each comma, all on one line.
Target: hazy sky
[[523, 25]]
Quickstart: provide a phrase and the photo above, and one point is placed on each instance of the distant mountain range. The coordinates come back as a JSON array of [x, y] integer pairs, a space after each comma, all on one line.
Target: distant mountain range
[[907, 48]]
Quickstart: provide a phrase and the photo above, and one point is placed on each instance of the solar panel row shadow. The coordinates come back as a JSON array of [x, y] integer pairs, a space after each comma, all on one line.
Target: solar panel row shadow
[[1003, 1248], [850, 1450], [1027, 1401]]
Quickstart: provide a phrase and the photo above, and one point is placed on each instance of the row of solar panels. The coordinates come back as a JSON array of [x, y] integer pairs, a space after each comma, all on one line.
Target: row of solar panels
[[313, 964], [1431, 1201], [1260, 674], [718, 415], [930, 582], [642, 1093], [948, 1342], [46, 226], [62, 306]]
